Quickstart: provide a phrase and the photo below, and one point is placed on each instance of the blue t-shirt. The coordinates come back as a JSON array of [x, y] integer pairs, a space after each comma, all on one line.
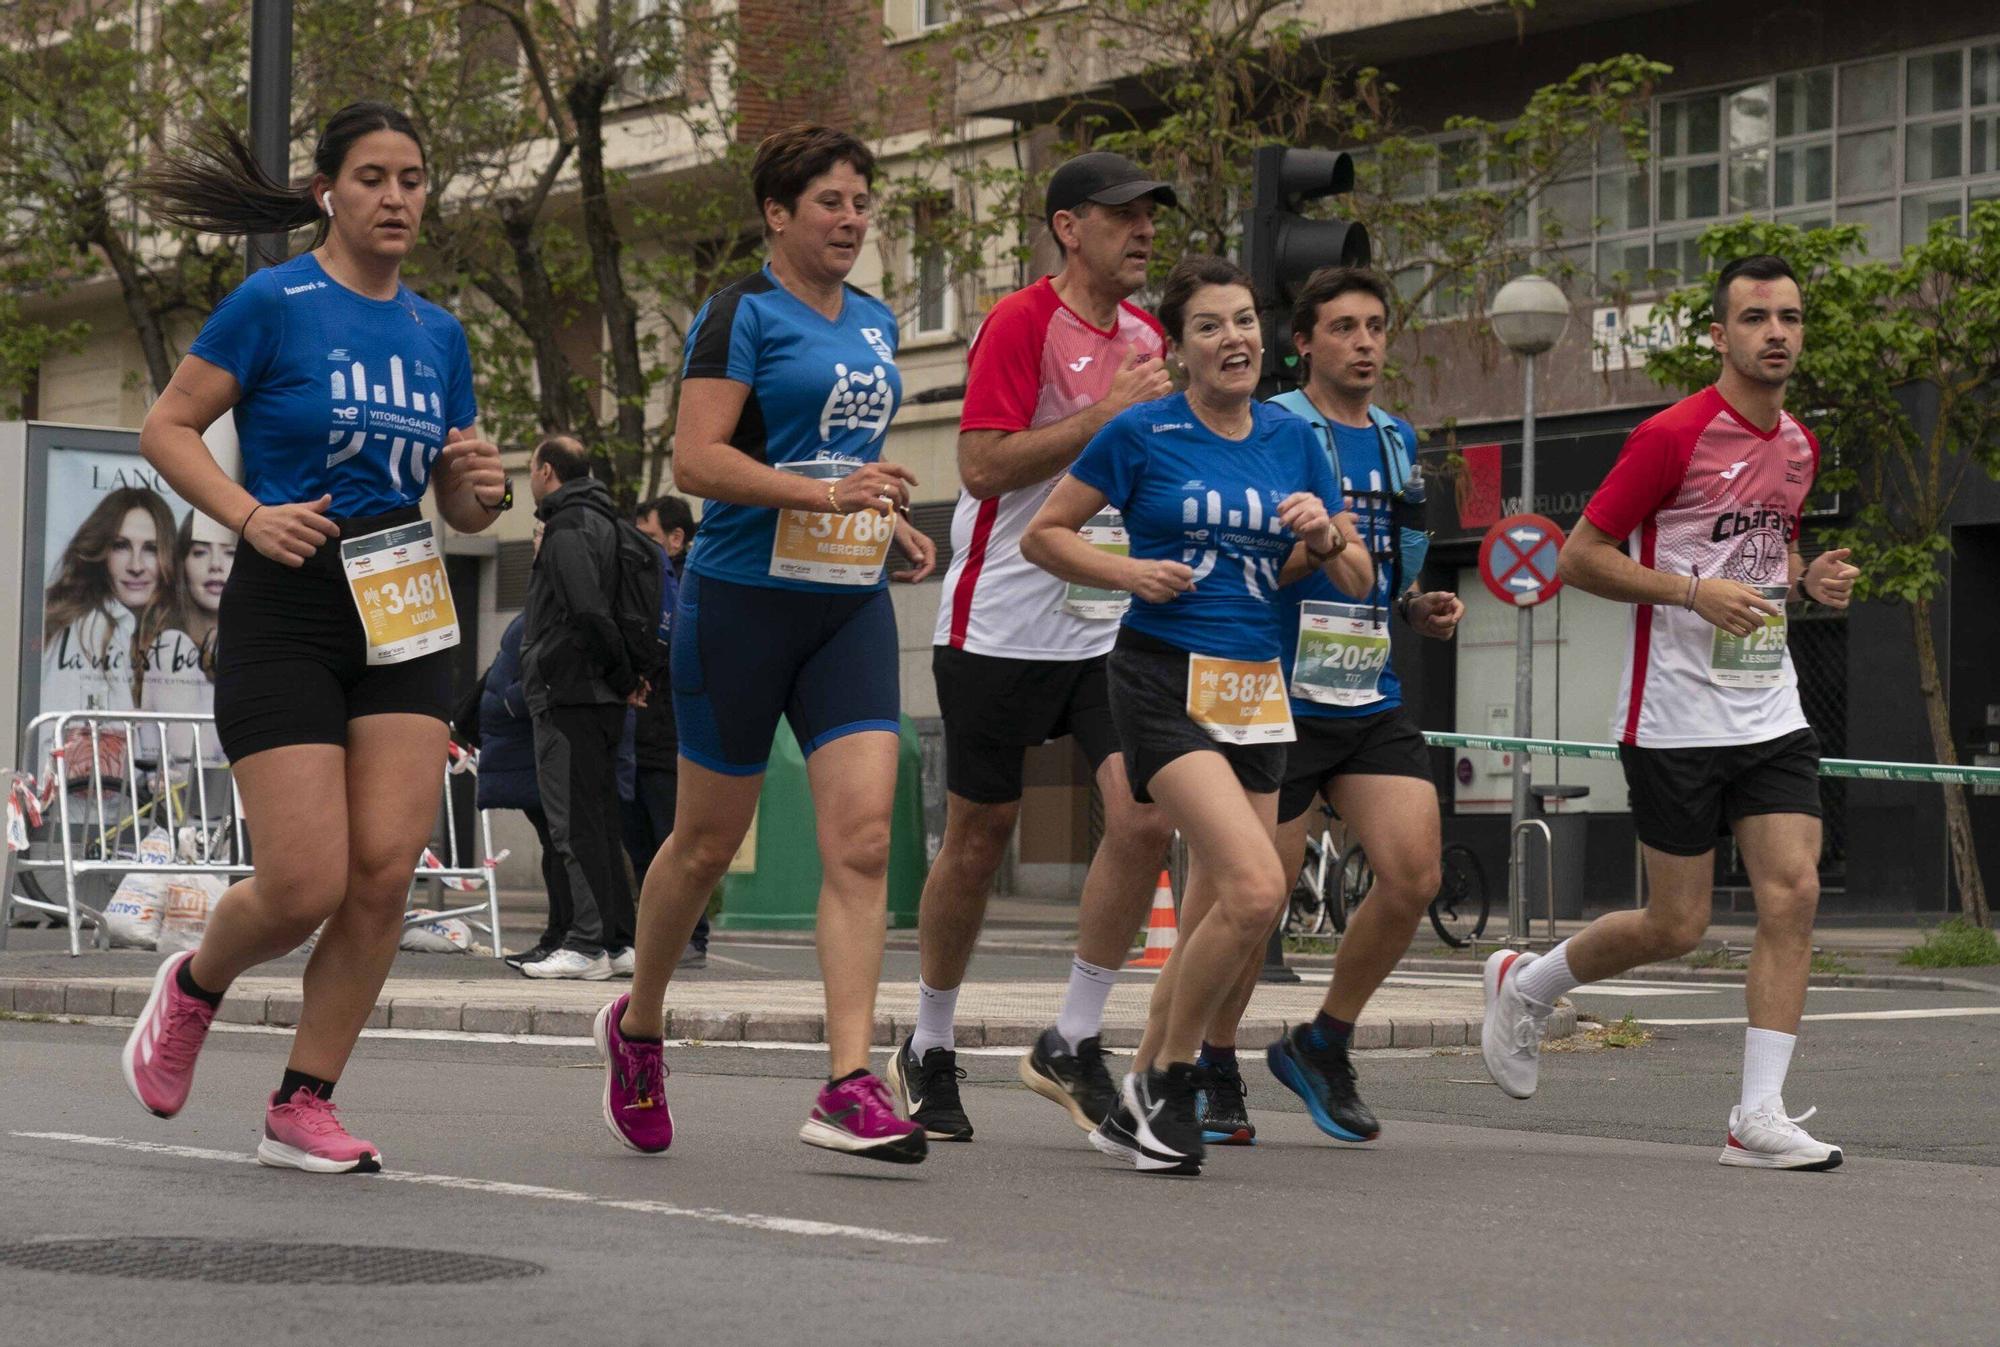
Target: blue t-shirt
[[1189, 495], [1359, 457], [342, 395], [820, 388]]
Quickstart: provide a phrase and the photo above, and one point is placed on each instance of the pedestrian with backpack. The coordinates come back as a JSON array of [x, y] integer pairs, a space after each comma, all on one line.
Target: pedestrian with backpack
[[592, 639]]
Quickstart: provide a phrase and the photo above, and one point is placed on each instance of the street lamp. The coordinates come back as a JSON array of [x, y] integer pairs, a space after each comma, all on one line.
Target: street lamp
[[1529, 315]]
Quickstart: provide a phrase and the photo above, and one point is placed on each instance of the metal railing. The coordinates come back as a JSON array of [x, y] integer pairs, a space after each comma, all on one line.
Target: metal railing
[[1518, 922], [127, 772]]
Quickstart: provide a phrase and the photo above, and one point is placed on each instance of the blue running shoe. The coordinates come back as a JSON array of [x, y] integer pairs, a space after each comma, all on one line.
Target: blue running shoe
[[1324, 1078]]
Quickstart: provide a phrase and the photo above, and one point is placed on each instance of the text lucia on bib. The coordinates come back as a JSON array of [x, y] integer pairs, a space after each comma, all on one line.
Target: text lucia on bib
[[830, 548], [397, 580]]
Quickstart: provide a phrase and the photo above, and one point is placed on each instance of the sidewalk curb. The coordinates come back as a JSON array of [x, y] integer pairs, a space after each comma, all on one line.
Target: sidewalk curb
[[47, 996], [1730, 977]]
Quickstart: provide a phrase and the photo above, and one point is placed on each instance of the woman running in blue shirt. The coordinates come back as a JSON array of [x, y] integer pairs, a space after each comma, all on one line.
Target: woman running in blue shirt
[[788, 390], [1224, 501], [352, 397]]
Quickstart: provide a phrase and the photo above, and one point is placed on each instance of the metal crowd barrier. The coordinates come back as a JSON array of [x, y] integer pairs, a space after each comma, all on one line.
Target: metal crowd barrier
[[1854, 769], [127, 772]]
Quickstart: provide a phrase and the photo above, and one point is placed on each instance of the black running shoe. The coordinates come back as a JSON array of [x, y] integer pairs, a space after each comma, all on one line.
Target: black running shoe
[[1324, 1078], [1165, 1132], [1220, 1104], [928, 1092], [1079, 1080]]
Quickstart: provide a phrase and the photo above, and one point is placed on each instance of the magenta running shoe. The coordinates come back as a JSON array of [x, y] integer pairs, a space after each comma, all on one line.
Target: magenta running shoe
[[635, 1085], [160, 1052], [305, 1133], [854, 1115]]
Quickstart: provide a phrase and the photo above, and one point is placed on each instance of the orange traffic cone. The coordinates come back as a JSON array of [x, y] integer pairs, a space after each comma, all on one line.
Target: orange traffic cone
[[1161, 928]]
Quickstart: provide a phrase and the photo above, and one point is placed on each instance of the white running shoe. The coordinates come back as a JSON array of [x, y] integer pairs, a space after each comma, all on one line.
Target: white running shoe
[[1764, 1138], [623, 962], [1511, 1040], [571, 963]]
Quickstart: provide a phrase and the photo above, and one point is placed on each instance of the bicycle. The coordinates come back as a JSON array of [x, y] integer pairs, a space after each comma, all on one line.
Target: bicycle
[[1333, 882]]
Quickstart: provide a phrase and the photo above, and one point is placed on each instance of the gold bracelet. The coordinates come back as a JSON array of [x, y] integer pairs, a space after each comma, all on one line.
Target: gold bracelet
[[832, 500]]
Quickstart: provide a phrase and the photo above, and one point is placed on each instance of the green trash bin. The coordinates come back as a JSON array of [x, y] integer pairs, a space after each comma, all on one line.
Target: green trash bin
[[774, 883]]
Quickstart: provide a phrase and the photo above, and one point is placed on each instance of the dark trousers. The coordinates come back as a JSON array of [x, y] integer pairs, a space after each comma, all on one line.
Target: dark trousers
[[649, 820], [555, 880], [576, 771]]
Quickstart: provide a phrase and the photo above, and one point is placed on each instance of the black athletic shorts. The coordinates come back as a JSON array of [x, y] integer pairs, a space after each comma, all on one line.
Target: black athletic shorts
[[1682, 798], [291, 662], [996, 709], [1149, 706], [1387, 743]]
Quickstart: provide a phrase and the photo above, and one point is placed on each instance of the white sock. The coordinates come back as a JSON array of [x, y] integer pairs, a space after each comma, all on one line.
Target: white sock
[[1548, 977], [1767, 1055], [934, 1015], [1083, 1001]]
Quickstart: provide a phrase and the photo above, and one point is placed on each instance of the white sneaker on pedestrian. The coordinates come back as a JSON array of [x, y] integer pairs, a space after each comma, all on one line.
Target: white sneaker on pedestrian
[[571, 963], [1764, 1138], [1511, 1040], [623, 962]]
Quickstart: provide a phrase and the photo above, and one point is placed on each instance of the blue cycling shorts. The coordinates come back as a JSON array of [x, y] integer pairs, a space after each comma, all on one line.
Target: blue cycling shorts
[[744, 655]]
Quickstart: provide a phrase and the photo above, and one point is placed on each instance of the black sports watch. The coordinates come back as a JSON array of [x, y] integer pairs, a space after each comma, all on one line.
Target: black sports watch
[[506, 501]]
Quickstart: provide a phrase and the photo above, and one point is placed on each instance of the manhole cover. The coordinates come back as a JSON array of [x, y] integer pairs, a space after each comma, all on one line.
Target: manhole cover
[[251, 1262]]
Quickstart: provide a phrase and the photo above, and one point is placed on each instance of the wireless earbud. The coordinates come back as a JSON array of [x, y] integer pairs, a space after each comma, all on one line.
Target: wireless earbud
[[326, 199]]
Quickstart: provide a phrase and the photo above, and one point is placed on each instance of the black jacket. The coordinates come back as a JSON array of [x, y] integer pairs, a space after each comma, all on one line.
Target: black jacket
[[571, 653], [658, 738]]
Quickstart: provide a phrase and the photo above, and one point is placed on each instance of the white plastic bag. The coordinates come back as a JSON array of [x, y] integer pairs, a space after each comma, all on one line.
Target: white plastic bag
[[132, 918], [441, 935], [189, 898]]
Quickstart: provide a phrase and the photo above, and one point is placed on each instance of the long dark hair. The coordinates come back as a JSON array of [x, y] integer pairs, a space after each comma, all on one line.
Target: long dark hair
[[83, 575], [215, 185]]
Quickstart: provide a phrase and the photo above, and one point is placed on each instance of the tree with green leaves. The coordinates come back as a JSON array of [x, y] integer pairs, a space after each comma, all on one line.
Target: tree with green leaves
[[1898, 378], [90, 91], [1190, 89]]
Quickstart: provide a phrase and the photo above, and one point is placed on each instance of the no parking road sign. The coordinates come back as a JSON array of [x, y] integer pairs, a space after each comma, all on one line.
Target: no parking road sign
[[1518, 559]]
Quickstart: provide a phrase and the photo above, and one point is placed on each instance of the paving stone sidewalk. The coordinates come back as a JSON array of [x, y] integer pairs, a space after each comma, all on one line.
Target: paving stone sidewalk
[[995, 1014]]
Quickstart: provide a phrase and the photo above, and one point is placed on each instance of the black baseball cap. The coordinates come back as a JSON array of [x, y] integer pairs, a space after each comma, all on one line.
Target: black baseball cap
[[1106, 178]]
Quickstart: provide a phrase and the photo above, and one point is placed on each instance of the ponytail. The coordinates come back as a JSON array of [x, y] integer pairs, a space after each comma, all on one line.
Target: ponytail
[[215, 185]]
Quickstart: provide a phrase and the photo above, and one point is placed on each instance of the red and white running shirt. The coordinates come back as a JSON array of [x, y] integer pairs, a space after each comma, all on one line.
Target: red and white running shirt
[[1699, 490], [1033, 361]]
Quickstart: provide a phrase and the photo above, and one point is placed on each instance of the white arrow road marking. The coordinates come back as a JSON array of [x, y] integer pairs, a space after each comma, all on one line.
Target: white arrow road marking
[[783, 1225]]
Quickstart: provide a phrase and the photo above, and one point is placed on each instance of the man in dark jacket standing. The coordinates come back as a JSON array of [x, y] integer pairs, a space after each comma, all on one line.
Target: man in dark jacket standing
[[579, 681]]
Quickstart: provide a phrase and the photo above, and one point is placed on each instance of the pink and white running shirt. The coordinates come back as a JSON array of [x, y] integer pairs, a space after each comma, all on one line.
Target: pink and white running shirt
[[1699, 490], [1033, 361]]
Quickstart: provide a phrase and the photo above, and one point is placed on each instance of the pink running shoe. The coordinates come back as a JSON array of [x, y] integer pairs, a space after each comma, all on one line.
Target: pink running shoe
[[160, 1052], [856, 1116], [635, 1085], [305, 1133]]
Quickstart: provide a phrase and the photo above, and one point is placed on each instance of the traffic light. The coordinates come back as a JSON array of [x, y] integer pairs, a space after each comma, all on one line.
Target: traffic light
[[1281, 247]]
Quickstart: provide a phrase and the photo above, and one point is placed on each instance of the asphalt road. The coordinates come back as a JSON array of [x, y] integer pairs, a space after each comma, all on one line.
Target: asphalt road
[[1594, 1213]]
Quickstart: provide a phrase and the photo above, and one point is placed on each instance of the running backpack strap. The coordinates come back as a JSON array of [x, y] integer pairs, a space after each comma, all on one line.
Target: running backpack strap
[[1406, 488]]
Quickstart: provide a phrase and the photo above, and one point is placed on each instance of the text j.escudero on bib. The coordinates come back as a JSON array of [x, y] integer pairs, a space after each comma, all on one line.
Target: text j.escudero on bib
[[827, 548], [398, 584], [1342, 650], [1106, 533], [1239, 701], [1756, 660]]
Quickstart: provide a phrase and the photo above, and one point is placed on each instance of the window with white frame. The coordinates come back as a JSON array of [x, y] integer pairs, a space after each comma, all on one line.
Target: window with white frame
[[936, 309]]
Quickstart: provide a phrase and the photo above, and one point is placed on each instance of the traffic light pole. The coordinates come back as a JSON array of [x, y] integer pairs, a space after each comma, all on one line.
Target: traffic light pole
[[270, 110]]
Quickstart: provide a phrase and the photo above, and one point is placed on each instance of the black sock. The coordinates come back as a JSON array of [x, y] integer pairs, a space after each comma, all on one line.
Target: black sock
[[855, 1074], [184, 979], [295, 1080], [1327, 1032], [1225, 1058]]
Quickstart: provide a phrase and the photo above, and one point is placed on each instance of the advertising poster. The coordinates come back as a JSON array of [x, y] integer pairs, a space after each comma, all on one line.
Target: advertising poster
[[122, 585]]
